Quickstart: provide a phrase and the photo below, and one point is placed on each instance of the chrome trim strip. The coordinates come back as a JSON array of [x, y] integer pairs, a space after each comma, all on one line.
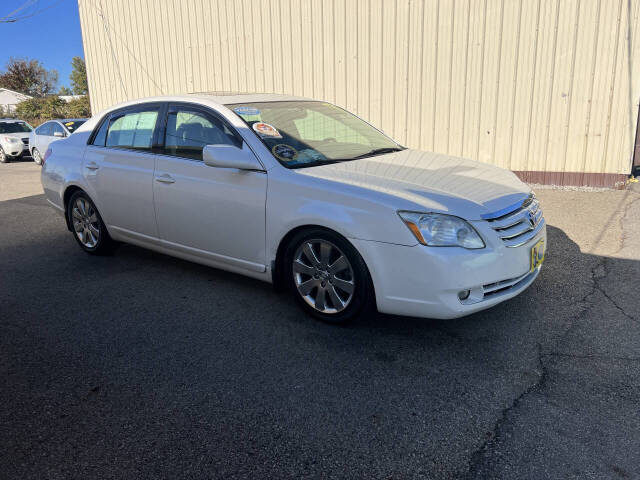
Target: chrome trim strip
[[507, 210], [508, 285], [534, 232]]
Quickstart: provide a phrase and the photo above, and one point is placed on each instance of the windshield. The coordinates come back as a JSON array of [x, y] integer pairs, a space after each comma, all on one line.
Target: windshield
[[73, 125], [307, 133], [14, 127]]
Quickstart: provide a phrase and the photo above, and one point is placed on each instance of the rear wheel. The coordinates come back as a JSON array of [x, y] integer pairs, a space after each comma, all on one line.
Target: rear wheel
[[36, 156], [87, 225], [328, 276], [3, 156]]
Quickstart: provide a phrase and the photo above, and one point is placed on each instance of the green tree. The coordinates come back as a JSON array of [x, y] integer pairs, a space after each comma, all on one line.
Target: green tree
[[65, 91], [43, 108], [78, 108], [29, 77], [78, 76]]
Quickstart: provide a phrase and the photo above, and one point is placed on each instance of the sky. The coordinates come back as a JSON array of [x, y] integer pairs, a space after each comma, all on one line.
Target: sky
[[52, 35]]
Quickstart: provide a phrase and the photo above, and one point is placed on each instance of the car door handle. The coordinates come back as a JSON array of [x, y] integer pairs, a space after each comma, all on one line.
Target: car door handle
[[165, 179], [92, 166]]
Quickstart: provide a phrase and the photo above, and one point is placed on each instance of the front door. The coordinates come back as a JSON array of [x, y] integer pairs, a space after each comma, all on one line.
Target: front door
[[214, 213]]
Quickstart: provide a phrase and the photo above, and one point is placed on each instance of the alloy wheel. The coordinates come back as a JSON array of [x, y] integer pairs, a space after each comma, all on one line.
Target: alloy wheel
[[36, 156], [85, 222], [323, 276]]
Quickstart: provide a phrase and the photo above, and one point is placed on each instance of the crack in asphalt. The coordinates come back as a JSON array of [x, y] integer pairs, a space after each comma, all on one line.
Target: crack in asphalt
[[494, 436], [592, 357], [606, 295]]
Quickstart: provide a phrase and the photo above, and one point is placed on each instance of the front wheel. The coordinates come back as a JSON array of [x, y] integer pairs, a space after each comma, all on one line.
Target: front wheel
[[327, 276], [3, 156], [36, 156], [87, 225]]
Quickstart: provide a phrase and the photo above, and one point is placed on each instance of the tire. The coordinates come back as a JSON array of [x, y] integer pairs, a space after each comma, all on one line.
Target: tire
[[3, 156], [334, 295], [36, 156], [87, 226]]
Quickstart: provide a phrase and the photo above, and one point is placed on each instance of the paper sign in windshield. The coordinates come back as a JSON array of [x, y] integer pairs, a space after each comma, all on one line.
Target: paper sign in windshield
[[265, 130]]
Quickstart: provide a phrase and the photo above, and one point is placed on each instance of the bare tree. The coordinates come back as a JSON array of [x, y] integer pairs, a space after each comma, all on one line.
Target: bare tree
[[29, 77]]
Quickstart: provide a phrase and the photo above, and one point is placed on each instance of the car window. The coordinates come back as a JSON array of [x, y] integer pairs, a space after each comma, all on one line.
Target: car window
[[44, 129], [73, 125], [14, 127], [132, 130], [101, 137], [56, 127], [189, 131], [317, 127]]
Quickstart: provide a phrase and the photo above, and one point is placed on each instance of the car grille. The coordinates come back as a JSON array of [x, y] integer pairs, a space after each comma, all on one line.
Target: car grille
[[518, 224], [497, 287], [25, 141]]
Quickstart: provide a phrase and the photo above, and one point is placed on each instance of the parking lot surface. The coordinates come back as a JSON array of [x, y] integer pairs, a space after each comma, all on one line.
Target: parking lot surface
[[140, 365]]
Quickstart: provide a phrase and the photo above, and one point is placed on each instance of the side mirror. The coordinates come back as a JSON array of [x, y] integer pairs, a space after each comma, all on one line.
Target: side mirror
[[230, 156], [58, 134]]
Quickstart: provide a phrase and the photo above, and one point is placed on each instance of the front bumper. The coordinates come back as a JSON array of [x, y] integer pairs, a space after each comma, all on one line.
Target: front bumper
[[421, 281], [16, 149]]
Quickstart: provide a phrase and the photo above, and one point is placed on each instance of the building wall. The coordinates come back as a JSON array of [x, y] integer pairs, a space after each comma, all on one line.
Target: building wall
[[9, 99], [530, 85]]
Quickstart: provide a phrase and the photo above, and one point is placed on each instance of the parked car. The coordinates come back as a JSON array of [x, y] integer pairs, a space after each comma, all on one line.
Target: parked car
[[14, 139], [42, 136], [303, 194]]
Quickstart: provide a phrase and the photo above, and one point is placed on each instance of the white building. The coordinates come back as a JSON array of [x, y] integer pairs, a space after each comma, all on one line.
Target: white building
[[9, 99], [69, 98], [548, 89]]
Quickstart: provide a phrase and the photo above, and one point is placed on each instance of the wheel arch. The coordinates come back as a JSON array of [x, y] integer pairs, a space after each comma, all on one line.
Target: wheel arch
[[66, 196], [277, 265]]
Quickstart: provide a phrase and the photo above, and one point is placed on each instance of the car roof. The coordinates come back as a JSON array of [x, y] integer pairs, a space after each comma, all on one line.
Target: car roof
[[220, 98], [11, 120], [62, 120], [225, 98]]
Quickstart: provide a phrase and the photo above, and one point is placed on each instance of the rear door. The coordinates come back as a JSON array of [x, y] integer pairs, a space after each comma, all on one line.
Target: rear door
[[213, 213], [119, 165]]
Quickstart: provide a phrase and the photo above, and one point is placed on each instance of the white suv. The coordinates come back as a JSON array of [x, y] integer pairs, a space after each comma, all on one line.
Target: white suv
[[14, 139]]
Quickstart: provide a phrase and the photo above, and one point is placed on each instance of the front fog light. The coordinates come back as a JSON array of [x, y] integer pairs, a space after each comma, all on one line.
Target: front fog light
[[464, 294]]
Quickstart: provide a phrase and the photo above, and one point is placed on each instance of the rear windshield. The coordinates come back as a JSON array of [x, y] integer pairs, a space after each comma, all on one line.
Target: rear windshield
[[14, 127], [73, 125]]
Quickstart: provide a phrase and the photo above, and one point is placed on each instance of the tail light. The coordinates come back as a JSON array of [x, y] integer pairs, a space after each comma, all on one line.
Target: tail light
[[47, 154]]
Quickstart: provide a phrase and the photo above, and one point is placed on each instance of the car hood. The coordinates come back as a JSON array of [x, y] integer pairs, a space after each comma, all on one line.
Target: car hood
[[20, 135], [429, 182]]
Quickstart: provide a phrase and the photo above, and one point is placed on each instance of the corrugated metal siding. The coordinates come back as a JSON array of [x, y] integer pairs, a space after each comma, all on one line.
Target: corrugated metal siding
[[530, 85]]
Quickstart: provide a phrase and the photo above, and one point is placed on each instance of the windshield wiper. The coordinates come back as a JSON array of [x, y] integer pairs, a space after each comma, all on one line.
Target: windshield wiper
[[377, 151]]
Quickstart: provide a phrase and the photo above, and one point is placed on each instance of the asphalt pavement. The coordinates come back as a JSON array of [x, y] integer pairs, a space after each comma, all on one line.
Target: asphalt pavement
[[139, 365]]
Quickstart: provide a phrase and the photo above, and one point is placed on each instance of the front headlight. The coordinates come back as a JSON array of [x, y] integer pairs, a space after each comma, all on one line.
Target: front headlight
[[11, 140], [439, 230]]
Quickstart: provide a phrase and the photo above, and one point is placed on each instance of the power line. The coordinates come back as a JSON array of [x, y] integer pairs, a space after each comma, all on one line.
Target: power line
[[107, 28], [26, 4], [24, 17], [107, 31]]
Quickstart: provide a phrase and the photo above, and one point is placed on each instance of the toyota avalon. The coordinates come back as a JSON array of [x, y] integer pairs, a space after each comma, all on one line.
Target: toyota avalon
[[302, 194]]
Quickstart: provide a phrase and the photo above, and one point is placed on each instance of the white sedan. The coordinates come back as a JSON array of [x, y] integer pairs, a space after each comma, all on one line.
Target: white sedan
[[302, 194]]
